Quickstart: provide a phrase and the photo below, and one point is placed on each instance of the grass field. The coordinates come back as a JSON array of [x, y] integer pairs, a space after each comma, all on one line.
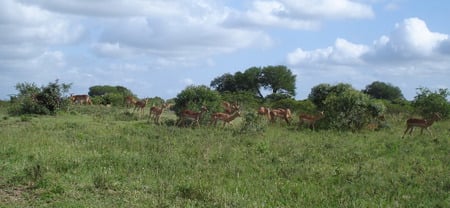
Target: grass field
[[105, 157]]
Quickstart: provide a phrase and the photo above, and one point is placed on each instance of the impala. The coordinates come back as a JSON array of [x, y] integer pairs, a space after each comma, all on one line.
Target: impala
[[81, 99], [422, 123], [130, 101], [226, 118], [140, 105], [192, 115], [230, 108], [263, 111], [310, 119], [281, 113], [156, 112]]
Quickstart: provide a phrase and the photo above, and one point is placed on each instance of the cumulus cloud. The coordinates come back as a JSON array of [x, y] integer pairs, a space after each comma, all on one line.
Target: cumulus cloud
[[410, 40], [298, 14]]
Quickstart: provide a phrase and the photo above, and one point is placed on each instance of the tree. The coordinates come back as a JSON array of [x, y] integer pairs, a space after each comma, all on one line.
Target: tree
[[279, 79], [381, 90], [45, 100], [345, 108], [194, 97], [106, 94], [427, 102]]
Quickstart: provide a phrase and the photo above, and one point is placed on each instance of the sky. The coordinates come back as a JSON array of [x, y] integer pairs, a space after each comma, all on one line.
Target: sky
[[159, 47]]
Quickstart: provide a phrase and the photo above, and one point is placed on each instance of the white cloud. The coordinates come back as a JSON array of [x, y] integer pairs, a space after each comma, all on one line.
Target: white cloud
[[410, 53]]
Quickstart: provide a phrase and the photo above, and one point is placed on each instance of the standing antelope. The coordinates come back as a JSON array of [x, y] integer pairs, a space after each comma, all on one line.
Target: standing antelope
[[130, 101], [192, 115], [81, 99], [230, 108], [156, 112], [226, 118], [281, 113], [422, 123], [140, 105], [310, 119]]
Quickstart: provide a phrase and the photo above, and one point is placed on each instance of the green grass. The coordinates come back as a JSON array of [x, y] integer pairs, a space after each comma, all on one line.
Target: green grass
[[107, 157]]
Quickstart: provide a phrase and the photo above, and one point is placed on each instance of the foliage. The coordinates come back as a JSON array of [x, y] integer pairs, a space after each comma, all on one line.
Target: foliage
[[193, 97], [45, 100], [279, 79], [320, 92], [381, 90], [427, 102], [348, 109], [109, 95]]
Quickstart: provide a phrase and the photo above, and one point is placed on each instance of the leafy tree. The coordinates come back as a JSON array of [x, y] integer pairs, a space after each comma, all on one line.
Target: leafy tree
[[106, 94], [279, 79], [427, 102], [45, 100], [194, 97], [320, 92], [346, 108], [381, 90]]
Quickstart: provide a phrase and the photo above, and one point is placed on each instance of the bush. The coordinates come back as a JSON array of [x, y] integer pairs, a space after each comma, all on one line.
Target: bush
[[427, 102], [45, 100], [350, 109]]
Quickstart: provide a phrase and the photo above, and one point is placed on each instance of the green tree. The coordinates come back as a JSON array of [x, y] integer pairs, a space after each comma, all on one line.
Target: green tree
[[279, 79], [194, 97], [45, 100], [106, 94], [427, 102], [386, 91]]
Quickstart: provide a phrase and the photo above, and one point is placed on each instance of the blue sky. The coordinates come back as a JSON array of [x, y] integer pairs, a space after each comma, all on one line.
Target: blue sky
[[158, 47]]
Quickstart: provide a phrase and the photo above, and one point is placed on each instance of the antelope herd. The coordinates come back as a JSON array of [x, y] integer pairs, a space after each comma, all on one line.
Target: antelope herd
[[232, 111]]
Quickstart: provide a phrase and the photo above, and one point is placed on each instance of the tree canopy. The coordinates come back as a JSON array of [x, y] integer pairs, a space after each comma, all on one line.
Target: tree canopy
[[382, 90], [278, 79]]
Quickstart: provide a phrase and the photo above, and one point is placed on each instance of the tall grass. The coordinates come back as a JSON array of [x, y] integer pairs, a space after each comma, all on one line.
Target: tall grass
[[109, 157]]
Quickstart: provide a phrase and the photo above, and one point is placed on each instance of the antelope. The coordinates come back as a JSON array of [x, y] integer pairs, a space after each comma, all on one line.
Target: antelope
[[422, 123], [156, 112], [130, 101], [81, 99], [230, 108], [140, 105], [226, 118], [310, 119], [192, 115], [263, 111], [281, 113]]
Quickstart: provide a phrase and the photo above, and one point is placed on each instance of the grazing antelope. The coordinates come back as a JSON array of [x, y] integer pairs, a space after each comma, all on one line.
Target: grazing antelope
[[281, 113], [310, 119], [226, 118], [156, 112], [263, 111], [422, 123], [192, 115], [140, 105], [81, 99]]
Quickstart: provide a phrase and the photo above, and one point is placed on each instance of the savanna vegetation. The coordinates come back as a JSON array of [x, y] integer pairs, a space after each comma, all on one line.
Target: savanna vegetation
[[58, 153]]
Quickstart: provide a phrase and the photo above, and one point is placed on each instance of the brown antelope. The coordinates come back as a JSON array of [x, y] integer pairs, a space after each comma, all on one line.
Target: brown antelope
[[281, 113], [263, 111], [310, 119], [140, 106], [192, 115], [230, 108], [130, 101], [226, 118], [156, 112], [422, 123], [81, 99]]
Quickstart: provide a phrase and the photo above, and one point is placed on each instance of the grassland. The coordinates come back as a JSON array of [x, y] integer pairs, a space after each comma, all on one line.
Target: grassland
[[105, 157]]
